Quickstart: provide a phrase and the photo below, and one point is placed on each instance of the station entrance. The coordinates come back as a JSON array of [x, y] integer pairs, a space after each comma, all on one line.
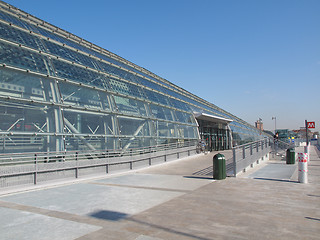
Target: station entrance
[[214, 131]]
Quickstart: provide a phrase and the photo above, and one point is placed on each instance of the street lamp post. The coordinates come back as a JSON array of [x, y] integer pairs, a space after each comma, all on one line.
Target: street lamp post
[[275, 124], [260, 123], [275, 143]]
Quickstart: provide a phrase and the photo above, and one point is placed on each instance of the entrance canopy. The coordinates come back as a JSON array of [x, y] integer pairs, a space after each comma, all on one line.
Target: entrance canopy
[[215, 131], [212, 118]]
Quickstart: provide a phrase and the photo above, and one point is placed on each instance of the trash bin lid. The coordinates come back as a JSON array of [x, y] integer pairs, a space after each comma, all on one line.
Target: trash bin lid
[[219, 156]]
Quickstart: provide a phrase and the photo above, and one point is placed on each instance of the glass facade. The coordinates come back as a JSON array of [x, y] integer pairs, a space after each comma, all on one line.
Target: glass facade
[[59, 92]]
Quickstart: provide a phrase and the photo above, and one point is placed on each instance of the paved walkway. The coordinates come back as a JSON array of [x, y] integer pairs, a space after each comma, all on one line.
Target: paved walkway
[[176, 200]]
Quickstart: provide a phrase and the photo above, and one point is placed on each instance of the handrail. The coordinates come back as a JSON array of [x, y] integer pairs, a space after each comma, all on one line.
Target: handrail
[[33, 168], [30, 157], [250, 143], [247, 154], [283, 144]]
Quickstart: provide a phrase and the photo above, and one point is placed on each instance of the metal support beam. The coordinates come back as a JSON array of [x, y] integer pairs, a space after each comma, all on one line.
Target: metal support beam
[[74, 130]]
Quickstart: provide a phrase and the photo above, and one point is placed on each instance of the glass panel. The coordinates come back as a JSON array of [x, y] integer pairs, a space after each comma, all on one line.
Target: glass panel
[[73, 56], [149, 84], [22, 117], [130, 106], [15, 21], [172, 130], [182, 133], [79, 123], [153, 131], [82, 96], [150, 96], [125, 88], [166, 129], [192, 132], [20, 85], [87, 123], [17, 36], [124, 74], [118, 72], [78, 74], [23, 143], [163, 129], [133, 126], [63, 40], [22, 58], [187, 132], [161, 112], [169, 114], [179, 105], [83, 143], [156, 97], [157, 112], [16, 117], [184, 117]]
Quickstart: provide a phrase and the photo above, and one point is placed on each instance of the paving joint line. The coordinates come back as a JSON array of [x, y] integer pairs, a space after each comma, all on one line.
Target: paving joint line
[[55, 214], [140, 187]]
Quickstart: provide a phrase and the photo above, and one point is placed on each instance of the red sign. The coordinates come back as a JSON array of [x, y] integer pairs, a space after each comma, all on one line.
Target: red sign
[[311, 124]]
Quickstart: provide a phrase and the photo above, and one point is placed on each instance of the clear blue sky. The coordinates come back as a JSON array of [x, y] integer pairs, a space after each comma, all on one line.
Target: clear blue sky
[[253, 58]]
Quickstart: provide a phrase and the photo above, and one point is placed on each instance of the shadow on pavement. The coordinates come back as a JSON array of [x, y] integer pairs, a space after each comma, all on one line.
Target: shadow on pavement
[[109, 215], [311, 218], [198, 177], [277, 180]]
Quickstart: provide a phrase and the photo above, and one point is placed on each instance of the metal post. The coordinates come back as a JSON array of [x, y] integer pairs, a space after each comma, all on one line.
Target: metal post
[[4, 143], [243, 152], [234, 162], [307, 133], [275, 124], [77, 169], [307, 151], [36, 168]]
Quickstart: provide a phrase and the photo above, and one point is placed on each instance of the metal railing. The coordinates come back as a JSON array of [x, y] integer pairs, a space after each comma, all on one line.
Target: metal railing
[[278, 148], [246, 155], [32, 168]]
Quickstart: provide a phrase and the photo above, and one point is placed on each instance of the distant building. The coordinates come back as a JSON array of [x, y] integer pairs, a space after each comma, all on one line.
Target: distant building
[[301, 133], [259, 124]]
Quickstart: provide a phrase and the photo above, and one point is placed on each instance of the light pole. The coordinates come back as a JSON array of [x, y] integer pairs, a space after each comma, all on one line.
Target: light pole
[[260, 123], [275, 124], [275, 142]]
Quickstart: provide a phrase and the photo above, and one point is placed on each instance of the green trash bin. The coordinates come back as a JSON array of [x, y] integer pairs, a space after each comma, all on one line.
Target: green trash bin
[[291, 156], [219, 167]]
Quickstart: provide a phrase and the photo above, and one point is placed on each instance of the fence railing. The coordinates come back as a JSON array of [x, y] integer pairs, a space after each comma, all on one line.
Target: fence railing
[[279, 147], [246, 155], [32, 168]]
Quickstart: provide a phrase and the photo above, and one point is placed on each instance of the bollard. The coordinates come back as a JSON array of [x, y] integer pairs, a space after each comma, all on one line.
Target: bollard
[[303, 167], [307, 150], [219, 167]]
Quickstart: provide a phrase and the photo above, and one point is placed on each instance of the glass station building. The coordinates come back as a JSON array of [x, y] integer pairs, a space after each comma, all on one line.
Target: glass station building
[[59, 92]]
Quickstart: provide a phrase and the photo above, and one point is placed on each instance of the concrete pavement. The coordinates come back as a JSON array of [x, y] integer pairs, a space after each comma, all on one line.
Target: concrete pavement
[[176, 200]]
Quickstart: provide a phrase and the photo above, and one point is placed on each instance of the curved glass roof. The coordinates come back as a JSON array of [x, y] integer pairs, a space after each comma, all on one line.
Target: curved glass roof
[[84, 77]]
